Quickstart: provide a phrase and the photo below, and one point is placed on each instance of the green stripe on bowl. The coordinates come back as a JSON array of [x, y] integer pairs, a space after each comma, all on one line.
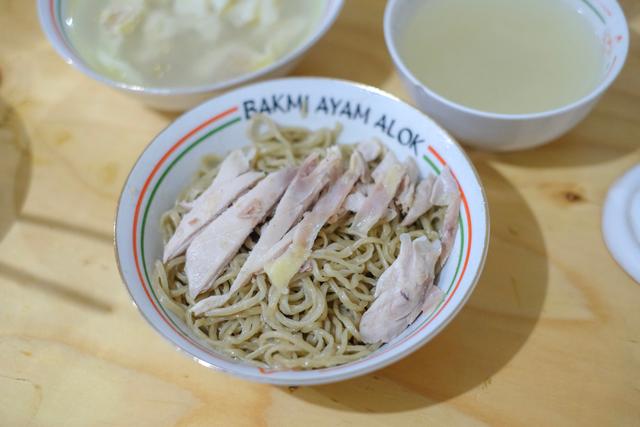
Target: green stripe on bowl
[[596, 11], [437, 171], [150, 201]]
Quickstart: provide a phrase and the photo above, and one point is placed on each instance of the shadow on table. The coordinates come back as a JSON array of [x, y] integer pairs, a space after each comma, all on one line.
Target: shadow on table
[[15, 166], [73, 228], [53, 288], [482, 339], [602, 137]]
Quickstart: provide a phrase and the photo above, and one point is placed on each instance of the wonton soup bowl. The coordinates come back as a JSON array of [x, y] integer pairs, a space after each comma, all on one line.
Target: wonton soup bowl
[[51, 14], [168, 163]]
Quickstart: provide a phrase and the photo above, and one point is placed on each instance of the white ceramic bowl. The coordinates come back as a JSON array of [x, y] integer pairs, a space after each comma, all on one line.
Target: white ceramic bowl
[[167, 165], [511, 131], [50, 13]]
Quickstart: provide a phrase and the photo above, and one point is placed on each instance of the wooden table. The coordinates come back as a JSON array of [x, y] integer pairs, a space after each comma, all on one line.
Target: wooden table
[[551, 335]]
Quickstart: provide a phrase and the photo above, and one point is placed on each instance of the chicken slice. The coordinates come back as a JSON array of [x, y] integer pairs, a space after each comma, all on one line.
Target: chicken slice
[[303, 191], [432, 300], [408, 185], [385, 165], [421, 201], [299, 242], [370, 149], [404, 260], [311, 178], [401, 290], [219, 241], [355, 200], [203, 213], [387, 177], [444, 189], [446, 193], [390, 214], [236, 163], [225, 188]]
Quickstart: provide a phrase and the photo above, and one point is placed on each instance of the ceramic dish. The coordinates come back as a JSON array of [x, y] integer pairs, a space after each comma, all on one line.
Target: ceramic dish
[[167, 165], [502, 132], [176, 99], [621, 221]]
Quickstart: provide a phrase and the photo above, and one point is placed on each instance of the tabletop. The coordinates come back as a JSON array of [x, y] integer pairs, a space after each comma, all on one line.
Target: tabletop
[[551, 335]]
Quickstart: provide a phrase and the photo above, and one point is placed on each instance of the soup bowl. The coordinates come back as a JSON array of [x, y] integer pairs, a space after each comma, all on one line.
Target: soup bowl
[[51, 13], [219, 125], [504, 132]]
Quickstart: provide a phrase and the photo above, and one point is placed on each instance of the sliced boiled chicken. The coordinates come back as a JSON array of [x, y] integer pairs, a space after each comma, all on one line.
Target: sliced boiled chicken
[[433, 299], [446, 193], [231, 181], [387, 177], [370, 149], [203, 213], [408, 185], [311, 178], [444, 189], [298, 243], [355, 200], [385, 165], [401, 290], [219, 242], [304, 190], [421, 202]]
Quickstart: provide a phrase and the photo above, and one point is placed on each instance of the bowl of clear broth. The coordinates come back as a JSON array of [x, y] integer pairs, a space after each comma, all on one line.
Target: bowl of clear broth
[[505, 74], [174, 54]]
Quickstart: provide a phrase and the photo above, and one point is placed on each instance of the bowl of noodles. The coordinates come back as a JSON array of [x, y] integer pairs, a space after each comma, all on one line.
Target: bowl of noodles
[[301, 231]]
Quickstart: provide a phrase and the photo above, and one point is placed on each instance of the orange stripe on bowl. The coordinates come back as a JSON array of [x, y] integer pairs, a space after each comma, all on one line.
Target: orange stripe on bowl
[[139, 204]]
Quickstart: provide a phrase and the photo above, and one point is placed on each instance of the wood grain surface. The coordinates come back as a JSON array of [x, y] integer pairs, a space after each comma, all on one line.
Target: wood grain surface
[[551, 335]]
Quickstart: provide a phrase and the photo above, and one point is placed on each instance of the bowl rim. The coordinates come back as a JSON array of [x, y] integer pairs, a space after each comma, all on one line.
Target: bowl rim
[[50, 22], [322, 377], [612, 74]]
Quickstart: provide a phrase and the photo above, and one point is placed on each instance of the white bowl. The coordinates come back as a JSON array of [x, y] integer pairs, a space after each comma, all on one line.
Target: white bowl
[[181, 98], [511, 131], [168, 163]]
